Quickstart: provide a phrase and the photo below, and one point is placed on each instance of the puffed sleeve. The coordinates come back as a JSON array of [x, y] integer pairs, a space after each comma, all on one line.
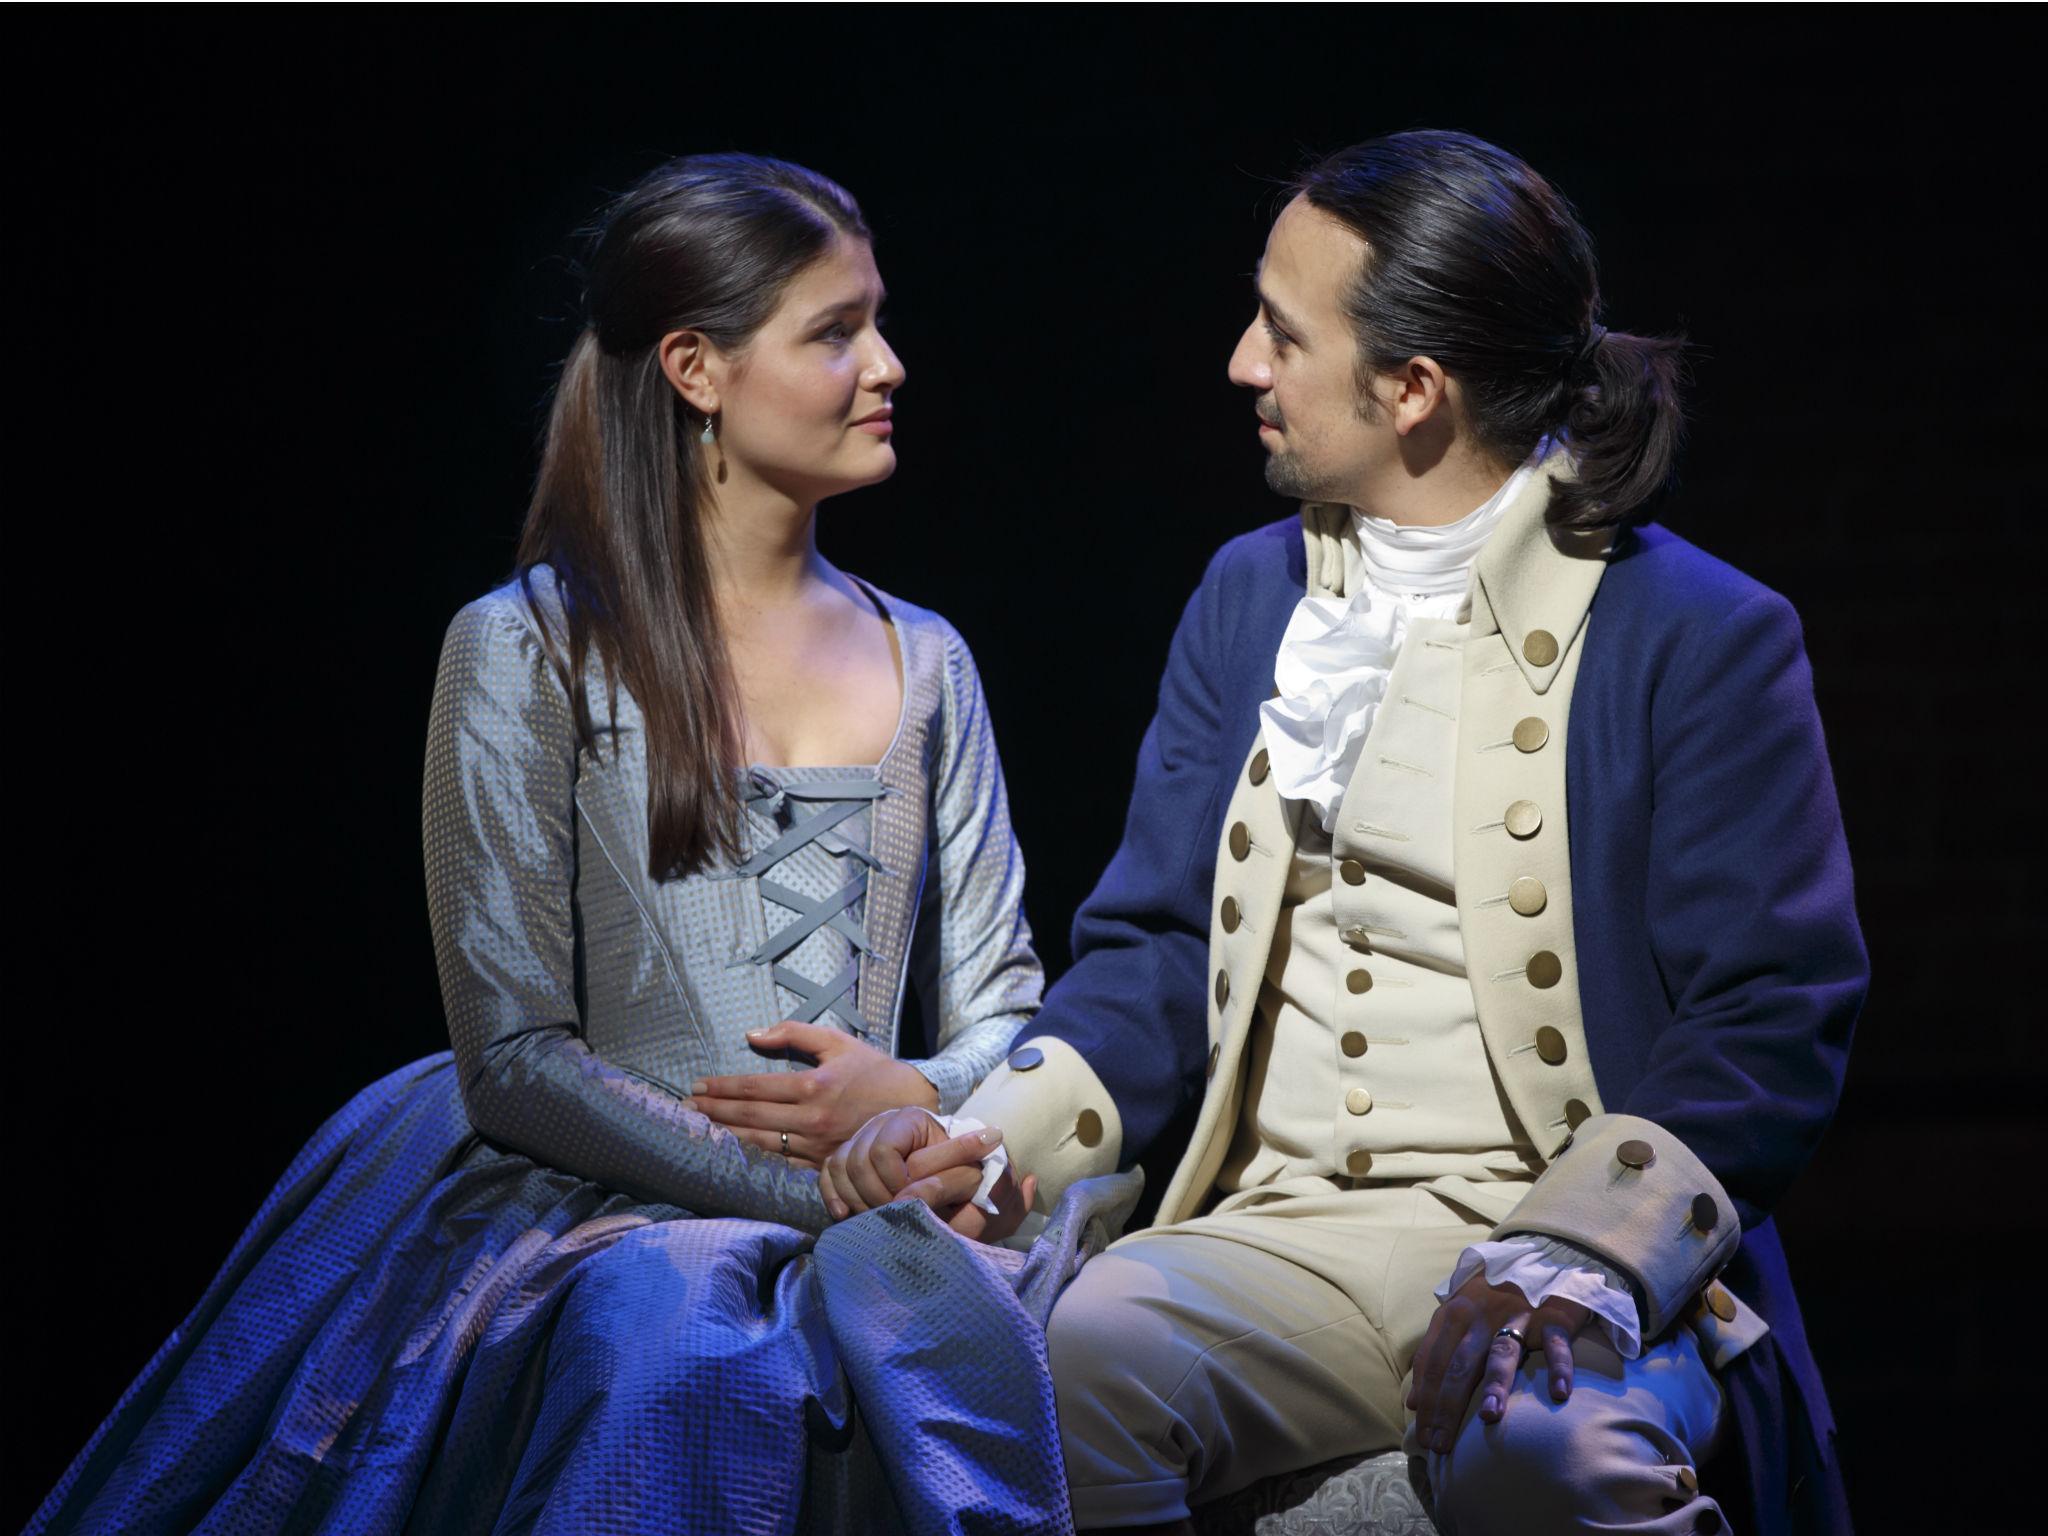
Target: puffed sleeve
[[972, 958], [499, 823]]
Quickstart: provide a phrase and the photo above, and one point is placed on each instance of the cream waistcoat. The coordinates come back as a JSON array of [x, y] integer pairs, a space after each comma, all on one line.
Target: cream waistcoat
[[1366, 1058], [1530, 593]]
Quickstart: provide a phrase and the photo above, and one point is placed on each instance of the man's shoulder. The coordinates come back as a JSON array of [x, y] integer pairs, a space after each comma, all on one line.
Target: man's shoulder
[[1658, 580], [1272, 555]]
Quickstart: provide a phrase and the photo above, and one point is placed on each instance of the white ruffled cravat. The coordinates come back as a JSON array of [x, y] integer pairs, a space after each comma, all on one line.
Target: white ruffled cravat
[[1337, 654]]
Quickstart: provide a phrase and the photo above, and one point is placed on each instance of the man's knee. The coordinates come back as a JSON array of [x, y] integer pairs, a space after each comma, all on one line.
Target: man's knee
[[1098, 1343], [1587, 1463]]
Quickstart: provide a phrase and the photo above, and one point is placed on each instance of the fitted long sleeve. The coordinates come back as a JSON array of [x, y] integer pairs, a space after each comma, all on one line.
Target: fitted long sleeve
[[972, 960], [499, 823]]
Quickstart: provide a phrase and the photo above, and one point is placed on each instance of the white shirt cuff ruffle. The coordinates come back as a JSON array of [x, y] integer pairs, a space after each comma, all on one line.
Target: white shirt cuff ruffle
[[992, 1166], [1542, 1267]]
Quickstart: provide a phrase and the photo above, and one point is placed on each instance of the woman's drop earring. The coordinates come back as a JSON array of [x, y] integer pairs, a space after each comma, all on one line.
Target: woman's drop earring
[[709, 438]]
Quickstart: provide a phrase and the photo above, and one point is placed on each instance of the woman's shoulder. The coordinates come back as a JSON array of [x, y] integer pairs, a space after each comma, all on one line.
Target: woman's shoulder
[[928, 637], [517, 607], [495, 642]]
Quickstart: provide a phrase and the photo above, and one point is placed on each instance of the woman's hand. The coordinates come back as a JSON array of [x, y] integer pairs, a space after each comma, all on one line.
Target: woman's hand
[[906, 1155], [819, 1109], [1464, 1348]]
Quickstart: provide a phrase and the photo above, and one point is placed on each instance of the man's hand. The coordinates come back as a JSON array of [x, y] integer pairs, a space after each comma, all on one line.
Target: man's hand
[[851, 1083], [1464, 1349], [906, 1155]]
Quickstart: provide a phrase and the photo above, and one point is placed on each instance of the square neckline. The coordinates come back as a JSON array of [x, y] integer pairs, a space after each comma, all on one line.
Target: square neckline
[[901, 653]]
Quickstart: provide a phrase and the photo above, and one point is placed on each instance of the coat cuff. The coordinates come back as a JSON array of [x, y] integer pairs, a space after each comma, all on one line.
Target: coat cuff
[[1631, 1193], [1057, 1119]]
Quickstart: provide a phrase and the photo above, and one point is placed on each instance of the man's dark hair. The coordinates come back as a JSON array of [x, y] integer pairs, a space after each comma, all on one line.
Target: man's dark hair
[[1476, 261]]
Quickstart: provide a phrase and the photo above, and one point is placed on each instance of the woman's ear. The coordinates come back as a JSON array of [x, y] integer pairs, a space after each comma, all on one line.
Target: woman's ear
[[686, 362]]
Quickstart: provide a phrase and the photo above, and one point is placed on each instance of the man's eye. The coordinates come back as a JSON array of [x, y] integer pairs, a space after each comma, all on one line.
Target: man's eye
[[1274, 334]]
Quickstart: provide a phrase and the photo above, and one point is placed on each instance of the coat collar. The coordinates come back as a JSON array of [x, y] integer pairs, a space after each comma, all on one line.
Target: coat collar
[[1529, 580]]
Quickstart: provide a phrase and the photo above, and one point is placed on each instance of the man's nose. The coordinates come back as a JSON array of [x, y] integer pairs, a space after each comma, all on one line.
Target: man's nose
[[1250, 366]]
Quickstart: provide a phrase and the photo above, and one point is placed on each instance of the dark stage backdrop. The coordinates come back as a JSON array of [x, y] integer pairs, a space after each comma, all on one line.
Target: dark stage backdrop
[[293, 290]]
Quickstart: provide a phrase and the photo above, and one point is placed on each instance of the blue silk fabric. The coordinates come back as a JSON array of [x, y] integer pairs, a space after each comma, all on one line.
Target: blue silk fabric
[[521, 1286]]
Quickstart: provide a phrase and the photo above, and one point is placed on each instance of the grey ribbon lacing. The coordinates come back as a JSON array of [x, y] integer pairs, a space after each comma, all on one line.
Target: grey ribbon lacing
[[843, 798]]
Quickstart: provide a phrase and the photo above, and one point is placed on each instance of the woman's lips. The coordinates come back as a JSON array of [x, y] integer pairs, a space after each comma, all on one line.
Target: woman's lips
[[880, 427]]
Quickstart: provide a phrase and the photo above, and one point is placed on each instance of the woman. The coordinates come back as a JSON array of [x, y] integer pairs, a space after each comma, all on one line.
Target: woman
[[697, 805]]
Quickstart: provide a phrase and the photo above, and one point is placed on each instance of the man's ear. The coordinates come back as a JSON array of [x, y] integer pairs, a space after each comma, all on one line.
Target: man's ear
[[686, 362], [1417, 393]]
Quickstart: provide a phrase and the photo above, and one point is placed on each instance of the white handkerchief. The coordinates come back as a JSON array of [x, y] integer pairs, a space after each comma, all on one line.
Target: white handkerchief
[[992, 1166]]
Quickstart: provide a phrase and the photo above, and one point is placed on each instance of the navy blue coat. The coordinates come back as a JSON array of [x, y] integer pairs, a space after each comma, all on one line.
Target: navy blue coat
[[1721, 967]]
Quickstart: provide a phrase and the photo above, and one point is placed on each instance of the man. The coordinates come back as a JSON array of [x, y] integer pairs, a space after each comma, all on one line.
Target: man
[[1484, 895]]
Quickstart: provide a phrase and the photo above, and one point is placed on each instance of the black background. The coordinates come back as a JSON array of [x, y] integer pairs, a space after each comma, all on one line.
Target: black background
[[292, 287]]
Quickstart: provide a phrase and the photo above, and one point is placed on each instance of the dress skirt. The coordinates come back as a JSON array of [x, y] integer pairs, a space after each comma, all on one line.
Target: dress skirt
[[421, 1331]]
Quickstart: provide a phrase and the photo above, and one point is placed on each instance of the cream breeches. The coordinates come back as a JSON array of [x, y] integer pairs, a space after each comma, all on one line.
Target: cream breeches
[[1192, 1360]]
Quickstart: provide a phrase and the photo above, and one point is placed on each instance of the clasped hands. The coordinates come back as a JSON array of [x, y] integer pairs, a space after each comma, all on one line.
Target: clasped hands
[[854, 1117]]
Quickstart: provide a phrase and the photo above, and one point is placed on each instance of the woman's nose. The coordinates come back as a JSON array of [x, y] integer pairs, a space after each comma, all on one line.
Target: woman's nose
[[885, 369]]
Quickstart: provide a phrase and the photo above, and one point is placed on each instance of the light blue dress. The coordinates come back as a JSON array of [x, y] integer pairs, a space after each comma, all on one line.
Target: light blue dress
[[518, 1286]]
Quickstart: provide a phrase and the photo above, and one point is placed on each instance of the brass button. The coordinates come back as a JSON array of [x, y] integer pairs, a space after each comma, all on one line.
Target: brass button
[[1720, 1303], [1358, 1162], [1231, 916], [1088, 1128], [1575, 1113], [1027, 1058], [1635, 1154], [1545, 969], [1358, 938], [1358, 1101], [1214, 1052], [1550, 1044], [1353, 1043], [1527, 896], [1352, 871], [1688, 1481], [1530, 734], [1358, 981], [1523, 818], [1222, 988], [1540, 648], [1260, 763], [1240, 840], [1704, 1213]]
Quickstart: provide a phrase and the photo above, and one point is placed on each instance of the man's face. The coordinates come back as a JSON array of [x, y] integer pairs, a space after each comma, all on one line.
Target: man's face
[[1299, 353]]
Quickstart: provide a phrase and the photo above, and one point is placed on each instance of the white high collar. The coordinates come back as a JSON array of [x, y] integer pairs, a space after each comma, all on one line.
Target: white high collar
[[1338, 652], [1404, 561]]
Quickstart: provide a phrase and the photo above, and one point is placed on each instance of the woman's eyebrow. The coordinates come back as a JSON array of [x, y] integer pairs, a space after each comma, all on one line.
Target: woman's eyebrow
[[841, 306]]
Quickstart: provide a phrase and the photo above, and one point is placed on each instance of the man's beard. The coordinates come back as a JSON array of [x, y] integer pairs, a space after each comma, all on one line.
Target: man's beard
[[1285, 478]]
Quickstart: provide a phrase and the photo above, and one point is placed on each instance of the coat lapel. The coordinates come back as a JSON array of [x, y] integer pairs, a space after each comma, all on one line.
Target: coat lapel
[[1253, 857], [1512, 845]]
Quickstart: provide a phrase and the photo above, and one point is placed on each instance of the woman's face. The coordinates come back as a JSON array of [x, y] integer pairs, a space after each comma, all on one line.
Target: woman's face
[[805, 408]]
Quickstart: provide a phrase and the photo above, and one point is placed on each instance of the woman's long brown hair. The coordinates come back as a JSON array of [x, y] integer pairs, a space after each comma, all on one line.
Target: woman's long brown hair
[[705, 243]]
